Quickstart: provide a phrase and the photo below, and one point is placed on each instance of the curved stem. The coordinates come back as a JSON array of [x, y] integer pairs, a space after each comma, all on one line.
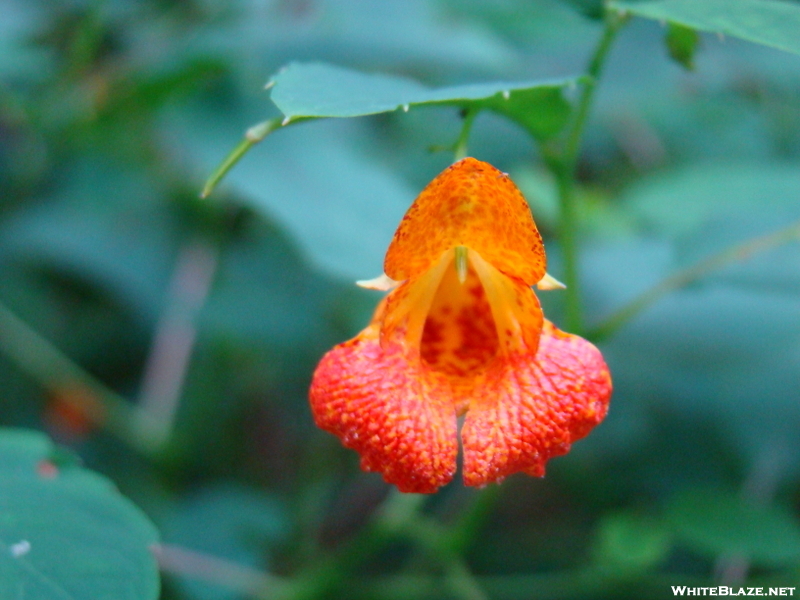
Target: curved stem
[[54, 370], [697, 271], [565, 166], [251, 137]]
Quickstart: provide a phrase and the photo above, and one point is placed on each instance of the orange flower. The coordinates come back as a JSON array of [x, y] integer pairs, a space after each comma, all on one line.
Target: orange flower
[[461, 333]]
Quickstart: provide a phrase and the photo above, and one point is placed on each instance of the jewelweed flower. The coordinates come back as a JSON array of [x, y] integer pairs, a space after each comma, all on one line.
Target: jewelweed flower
[[461, 333]]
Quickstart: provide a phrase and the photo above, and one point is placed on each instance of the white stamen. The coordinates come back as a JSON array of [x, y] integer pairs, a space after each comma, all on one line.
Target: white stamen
[[382, 283], [506, 94], [548, 282], [462, 266]]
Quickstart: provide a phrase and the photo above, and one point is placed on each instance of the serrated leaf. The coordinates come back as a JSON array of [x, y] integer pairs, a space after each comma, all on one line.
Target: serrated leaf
[[770, 22], [717, 523], [682, 44], [67, 533], [315, 90]]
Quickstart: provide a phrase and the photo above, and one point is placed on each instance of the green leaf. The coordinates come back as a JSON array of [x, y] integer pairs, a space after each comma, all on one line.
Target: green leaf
[[716, 523], [314, 90], [682, 44], [66, 533], [590, 8], [769, 22]]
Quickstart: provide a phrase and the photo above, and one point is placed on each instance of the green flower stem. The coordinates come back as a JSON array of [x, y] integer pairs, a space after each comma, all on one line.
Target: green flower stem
[[471, 520], [683, 278], [53, 369], [394, 519], [463, 138], [564, 165], [253, 136]]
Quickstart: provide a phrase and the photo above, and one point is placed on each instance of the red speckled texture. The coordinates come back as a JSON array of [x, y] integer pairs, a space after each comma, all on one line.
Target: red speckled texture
[[530, 409], [385, 404], [472, 204], [438, 347]]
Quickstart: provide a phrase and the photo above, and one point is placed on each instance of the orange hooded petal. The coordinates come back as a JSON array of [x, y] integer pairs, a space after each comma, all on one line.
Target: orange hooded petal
[[471, 204], [384, 403], [529, 408], [461, 331]]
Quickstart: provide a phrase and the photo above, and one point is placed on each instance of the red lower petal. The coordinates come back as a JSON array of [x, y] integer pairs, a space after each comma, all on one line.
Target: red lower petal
[[390, 408], [530, 409]]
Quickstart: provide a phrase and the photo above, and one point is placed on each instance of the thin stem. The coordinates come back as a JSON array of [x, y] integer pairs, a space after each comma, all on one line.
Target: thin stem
[[395, 518], [463, 138], [197, 565], [53, 369], [682, 278], [472, 518], [565, 165], [252, 137], [463, 582], [169, 359]]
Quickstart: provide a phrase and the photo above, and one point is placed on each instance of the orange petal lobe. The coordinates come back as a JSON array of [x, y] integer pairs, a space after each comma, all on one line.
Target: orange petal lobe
[[470, 204], [381, 401], [516, 311], [530, 408]]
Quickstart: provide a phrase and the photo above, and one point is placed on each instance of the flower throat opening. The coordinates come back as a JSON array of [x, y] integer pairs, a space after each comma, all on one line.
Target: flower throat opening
[[459, 337]]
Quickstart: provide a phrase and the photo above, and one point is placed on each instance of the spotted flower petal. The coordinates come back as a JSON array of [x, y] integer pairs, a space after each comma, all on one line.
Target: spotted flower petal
[[529, 409], [461, 332], [383, 402], [469, 204]]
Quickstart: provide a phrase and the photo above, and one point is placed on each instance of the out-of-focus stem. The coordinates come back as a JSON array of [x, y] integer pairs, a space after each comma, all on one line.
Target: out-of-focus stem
[[169, 358], [683, 278], [54, 370], [463, 138], [565, 164]]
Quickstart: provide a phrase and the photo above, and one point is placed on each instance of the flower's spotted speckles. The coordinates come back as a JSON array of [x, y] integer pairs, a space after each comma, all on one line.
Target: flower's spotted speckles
[[459, 338], [385, 403], [529, 409], [469, 204], [463, 333]]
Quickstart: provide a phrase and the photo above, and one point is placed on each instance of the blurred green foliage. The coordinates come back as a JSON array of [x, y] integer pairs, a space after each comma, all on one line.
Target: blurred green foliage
[[208, 316]]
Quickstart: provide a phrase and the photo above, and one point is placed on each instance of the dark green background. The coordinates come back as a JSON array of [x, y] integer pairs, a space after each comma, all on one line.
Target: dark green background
[[112, 114]]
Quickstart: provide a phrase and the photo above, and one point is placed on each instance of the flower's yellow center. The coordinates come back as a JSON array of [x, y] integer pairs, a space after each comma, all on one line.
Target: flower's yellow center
[[459, 338]]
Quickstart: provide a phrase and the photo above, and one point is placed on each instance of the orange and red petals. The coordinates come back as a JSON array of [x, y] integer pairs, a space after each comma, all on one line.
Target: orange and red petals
[[516, 311], [459, 339], [406, 307], [382, 402], [528, 409], [470, 204]]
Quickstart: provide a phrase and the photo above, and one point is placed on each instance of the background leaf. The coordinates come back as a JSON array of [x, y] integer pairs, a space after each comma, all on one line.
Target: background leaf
[[770, 22], [320, 90], [718, 523], [66, 533]]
